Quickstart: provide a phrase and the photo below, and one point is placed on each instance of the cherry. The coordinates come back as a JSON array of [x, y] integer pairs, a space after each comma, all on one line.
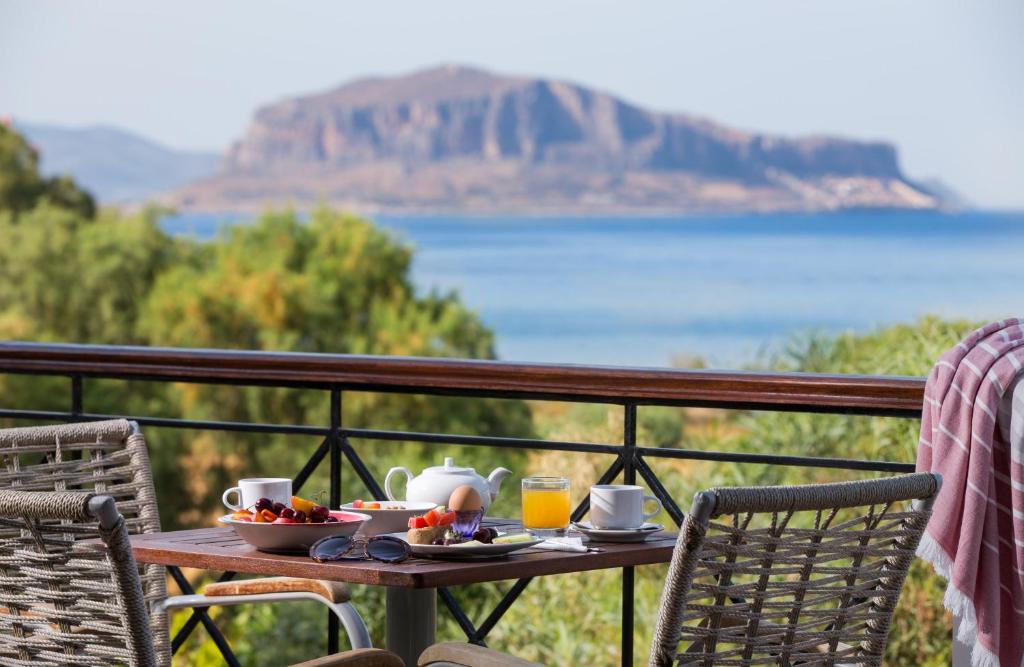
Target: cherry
[[300, 516], [483, 535], [287, 513], [278, 508], [265, 504], [319, 514]]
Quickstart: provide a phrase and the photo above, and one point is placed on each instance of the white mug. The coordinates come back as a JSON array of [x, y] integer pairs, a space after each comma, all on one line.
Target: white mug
[[619, 506], [277, 489]]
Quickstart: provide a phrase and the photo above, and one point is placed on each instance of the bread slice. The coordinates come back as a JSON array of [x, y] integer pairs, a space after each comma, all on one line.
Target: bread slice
[[425, 535]]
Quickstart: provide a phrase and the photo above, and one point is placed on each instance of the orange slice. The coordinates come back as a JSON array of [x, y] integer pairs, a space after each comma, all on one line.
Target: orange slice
[[303, 505]]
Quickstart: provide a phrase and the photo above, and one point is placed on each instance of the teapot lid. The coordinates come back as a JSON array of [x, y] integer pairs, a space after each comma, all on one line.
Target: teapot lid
[[449, 467]]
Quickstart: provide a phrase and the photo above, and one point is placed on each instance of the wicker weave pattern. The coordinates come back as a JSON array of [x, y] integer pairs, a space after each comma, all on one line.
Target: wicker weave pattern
[[791, 575], [65, 603], [108, 458]]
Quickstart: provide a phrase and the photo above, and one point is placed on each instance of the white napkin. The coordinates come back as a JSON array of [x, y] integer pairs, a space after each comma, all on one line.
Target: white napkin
[[574, 544]]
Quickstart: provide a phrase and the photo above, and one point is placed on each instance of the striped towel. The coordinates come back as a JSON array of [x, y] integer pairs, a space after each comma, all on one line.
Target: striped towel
[[971, 433]]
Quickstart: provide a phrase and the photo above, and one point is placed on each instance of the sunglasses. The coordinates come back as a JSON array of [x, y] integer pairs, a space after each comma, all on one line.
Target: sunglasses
[[385, 548]]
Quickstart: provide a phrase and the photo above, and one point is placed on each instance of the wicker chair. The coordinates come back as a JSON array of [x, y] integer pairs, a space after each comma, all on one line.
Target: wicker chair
[[795, 575], [804, 575], [110, 458], [67, 601]]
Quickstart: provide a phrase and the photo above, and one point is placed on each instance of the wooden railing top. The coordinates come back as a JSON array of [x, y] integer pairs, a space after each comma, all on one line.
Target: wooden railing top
[[867, 394]]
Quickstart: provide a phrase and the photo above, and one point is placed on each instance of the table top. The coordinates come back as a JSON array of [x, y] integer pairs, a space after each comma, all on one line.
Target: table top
[[221, 549]]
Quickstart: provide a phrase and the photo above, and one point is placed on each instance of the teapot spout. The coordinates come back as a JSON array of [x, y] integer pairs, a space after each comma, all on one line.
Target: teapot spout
[[495, 479]]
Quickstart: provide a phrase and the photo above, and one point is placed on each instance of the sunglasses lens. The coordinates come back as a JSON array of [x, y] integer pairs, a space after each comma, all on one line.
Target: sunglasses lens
[[330, 548], [387, 549]]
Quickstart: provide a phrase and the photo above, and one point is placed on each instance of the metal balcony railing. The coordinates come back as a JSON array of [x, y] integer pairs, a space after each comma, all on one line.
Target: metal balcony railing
[[335, 374]]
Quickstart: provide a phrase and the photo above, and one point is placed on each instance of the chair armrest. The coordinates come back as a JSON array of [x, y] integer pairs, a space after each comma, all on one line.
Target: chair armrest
[[470, 655], [360, 657], [333, 591]]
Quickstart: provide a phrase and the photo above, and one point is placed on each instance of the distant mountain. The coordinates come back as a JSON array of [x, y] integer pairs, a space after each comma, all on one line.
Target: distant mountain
[[115, 165], [458, 138]]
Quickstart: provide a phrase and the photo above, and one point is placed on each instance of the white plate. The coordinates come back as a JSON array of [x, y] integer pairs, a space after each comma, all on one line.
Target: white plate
[[387, 519], [476, 552], [293, 537], [609, 535]]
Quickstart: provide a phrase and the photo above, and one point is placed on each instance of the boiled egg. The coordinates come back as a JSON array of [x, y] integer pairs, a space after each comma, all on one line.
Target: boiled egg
[[465, 499]]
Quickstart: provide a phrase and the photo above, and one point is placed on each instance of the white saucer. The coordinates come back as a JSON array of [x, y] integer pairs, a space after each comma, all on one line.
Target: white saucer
[[611, 535]]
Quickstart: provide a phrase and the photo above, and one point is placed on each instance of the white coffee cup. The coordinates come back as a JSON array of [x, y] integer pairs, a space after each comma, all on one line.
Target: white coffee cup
[[277, 489], [619, 506]]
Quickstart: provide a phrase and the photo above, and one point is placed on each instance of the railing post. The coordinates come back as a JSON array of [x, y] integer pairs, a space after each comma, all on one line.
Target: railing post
[[76, 397], [334, 438], [76, 407], [628, 477]]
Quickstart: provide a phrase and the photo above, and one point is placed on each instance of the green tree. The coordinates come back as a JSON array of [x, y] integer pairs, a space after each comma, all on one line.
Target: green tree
[[22, 187], [334, 283], [921, 628]]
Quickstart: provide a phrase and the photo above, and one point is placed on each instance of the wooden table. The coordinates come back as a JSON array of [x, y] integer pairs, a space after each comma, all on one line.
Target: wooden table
[[411, 598]]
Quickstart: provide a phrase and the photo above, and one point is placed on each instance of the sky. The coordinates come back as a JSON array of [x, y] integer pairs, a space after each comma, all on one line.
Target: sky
[[943, 79]]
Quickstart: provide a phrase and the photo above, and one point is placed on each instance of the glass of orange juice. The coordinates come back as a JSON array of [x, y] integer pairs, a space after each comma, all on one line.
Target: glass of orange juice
[[546, 505]]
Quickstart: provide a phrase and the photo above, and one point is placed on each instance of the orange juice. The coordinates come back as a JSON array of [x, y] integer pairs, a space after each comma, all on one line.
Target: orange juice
[[546, 508]]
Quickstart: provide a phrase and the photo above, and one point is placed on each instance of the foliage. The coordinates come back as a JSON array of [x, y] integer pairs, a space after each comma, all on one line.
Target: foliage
[[335, 283], [22, 188], [537, 629], [63, 279], [922, 629]]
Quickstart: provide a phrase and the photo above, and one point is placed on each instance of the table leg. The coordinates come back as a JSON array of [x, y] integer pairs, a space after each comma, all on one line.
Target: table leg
[[411, 621], [961, 651]]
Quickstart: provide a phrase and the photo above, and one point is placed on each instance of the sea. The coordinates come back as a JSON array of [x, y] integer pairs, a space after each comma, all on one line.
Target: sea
[[728, 290]]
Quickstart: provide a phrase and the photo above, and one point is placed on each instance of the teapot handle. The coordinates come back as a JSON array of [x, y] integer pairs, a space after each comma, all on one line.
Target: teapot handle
[[392, 473]]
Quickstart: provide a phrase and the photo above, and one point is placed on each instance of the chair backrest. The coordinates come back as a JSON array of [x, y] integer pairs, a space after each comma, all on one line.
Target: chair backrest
[[106, 457], [798, 575], [66, 601]]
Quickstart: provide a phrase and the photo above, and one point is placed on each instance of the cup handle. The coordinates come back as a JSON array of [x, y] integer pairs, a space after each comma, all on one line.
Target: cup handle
[[232, 506], [390, 475], [652, 514]]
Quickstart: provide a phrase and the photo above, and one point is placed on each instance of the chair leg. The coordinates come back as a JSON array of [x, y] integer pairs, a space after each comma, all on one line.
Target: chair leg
[[351, 621]]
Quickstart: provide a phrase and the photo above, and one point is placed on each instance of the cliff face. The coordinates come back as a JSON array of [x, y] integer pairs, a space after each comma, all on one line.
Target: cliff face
[[461, 138]]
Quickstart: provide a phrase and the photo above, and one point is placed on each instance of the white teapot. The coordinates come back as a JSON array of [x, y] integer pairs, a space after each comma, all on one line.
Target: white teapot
[[436, 484]]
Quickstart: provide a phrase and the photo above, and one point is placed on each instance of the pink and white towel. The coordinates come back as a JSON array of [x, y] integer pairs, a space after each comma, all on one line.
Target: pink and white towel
[[972, 434]]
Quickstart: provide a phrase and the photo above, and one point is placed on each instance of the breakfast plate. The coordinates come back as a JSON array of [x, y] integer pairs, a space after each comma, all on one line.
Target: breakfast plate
[[611, 535], [467, 551]]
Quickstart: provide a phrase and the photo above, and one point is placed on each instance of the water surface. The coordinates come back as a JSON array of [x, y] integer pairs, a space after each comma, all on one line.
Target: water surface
[[642, 291]]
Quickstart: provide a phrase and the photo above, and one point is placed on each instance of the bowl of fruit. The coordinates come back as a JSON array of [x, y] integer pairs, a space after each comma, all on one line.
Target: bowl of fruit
[[278, 528], [386, 516]]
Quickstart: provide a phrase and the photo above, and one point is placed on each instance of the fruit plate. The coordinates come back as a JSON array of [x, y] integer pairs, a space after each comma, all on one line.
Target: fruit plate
[[388, 519], [291, 538], [475, 552]]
